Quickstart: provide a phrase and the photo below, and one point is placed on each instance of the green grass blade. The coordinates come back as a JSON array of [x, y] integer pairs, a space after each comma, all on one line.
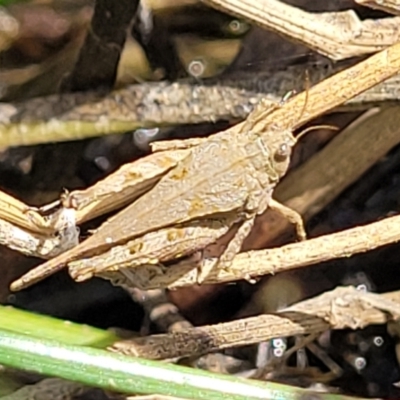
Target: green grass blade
[[42, 326], [120, 373], [110, 371]]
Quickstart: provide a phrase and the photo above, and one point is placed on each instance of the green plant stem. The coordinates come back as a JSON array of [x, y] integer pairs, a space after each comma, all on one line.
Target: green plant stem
[[111, 371], [27, 342], [44, 327]]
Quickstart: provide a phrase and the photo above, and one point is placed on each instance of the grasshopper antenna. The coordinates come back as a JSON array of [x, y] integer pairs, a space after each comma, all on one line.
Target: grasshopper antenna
[[315, 127]]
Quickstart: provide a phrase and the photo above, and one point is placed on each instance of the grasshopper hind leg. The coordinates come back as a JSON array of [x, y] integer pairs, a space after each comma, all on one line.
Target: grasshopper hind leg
[[231, 250], [234, 246]]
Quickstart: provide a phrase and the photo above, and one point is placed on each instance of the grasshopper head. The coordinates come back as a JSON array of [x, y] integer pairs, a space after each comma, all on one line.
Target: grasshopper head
[[280, 152], [281, 146]]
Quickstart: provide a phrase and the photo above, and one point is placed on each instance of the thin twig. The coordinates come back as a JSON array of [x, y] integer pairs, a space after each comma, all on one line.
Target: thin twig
[[151, 32], [322, 178], [271, 261], [338, 309], [15, 212], [50, 388], [159, 309], [98, 59], [167, 318], [338, 35], [335, 90], [45, 244], [83, 115], [390, 6]]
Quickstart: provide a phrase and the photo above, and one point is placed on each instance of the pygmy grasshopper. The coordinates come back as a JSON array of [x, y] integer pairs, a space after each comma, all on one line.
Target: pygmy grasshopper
[[229, 174]]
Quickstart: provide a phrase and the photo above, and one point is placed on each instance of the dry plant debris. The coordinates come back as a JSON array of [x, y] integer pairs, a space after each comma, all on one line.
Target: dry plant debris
[[51, 230], [337, 35], [344, 307]]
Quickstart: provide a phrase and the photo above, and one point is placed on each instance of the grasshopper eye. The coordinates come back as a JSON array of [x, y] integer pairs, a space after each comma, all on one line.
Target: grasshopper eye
[[282, 153]]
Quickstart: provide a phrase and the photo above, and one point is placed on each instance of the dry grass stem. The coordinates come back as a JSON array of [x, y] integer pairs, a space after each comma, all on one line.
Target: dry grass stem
[[49, 388], [167, 318], [337, 35], [318, 181], [43, 245], [27, 242], [390, 6], [16, 212], [338, 88], [270, 261], [344, 307], [82, 115]]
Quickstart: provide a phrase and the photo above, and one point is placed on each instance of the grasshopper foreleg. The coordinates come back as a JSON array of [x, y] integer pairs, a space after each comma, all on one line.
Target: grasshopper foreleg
[[292, 216]]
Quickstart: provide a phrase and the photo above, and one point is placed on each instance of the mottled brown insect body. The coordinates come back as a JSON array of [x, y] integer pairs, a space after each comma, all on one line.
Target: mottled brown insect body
[[228, 178]]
